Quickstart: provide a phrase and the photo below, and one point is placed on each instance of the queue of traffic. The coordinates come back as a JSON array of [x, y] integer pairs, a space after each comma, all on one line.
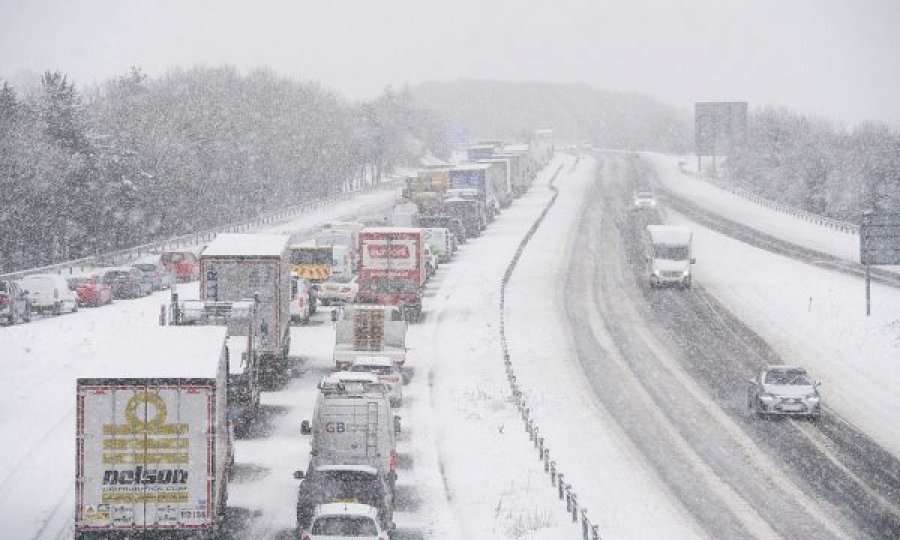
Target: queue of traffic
[[156, 450]]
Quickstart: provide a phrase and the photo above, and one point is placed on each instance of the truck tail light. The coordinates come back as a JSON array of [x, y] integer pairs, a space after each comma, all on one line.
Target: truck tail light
[[393, 461], [4, 300]]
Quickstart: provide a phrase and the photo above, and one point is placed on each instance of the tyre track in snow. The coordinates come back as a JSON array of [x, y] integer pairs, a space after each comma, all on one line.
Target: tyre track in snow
[[734, 490], [854, 479]]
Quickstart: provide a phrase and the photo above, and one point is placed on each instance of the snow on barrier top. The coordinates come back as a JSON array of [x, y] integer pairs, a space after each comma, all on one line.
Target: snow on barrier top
[[184, 241], [247, 245], [838, 225]]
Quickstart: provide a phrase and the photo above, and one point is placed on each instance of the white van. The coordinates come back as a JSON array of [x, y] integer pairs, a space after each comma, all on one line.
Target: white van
[[669, 255], [50, 293], [352, 424]]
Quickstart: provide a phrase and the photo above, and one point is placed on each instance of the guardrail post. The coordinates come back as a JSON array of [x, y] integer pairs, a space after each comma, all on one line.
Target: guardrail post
[[574, 507], [540, 445], [162, 315], [546, 459], [561, 485], [595, 532], [552, 473]]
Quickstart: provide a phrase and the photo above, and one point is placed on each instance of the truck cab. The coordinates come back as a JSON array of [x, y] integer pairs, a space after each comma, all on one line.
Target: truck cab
[[669, 253]]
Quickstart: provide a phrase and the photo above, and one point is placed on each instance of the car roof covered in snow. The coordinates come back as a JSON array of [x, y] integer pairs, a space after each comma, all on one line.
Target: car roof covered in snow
[[153, 352], [368, 469], [675, 235], [247, 245], [391, 230]]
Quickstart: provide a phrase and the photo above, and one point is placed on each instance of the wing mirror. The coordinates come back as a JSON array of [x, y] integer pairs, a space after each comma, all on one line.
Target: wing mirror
[[305, 428], [693, 260], [299, 475], [397, 425], [753, 382], [391, 527], [817, 383], [334, 315]]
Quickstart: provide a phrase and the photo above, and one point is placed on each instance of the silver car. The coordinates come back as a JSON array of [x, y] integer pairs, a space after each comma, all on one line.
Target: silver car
[[784, 391]]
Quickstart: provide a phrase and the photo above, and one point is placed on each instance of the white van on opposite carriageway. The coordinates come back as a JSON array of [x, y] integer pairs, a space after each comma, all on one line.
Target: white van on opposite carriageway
[[670, 255]]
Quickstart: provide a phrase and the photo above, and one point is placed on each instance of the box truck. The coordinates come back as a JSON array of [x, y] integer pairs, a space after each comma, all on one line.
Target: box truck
[[236, 267], [153, 441]]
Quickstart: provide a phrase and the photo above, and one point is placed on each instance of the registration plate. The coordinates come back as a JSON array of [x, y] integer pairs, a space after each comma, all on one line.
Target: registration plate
[[791, 407]]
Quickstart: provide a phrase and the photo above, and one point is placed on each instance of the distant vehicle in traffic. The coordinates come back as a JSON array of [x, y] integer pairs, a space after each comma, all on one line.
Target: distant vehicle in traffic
[[338, 292], [127, 282], [49, 293], [644, 200], [784, 391], [670, 256], [387, 372], [155, 272], [91, 289], [361, 484], [335, 521], [14, 304], [183, 264]]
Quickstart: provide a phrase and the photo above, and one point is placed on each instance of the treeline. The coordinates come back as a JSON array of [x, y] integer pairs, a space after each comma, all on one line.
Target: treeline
[[812, 164], [139, 159], [576, 112]]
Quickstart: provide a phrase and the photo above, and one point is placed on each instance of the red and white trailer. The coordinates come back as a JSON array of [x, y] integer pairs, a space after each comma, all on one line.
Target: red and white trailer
[[392, 268]]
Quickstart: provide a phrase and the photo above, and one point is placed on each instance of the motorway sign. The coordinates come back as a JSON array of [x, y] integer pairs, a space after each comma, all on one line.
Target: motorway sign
[[879, 238]]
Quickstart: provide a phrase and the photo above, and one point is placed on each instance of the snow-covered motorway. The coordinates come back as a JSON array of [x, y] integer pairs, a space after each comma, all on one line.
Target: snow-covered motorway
[[640, 394]]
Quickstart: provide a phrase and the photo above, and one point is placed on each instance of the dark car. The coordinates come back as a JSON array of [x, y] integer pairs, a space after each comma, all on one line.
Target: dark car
[[127, 282], [343, 483], [154, 272], [14, 304]]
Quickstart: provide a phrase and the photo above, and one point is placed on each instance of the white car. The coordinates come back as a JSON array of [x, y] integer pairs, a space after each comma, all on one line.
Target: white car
[[338, 292], [387, 373], [49, 293], [344, 520], [784, 391], [644, 200]]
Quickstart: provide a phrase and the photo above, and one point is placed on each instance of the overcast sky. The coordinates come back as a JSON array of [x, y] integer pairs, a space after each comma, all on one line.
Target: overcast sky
[[838, 59]]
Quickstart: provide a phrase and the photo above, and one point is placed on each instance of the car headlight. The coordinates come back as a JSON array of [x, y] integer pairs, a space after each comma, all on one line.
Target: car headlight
[[685, 273], [767, 397], [655, 273], [812, 397]]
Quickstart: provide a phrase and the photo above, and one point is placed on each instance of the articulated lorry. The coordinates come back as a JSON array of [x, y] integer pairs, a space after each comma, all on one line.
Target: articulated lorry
[[367, 330], [240, 267], [153, 441], [475, 176], [392, 268]]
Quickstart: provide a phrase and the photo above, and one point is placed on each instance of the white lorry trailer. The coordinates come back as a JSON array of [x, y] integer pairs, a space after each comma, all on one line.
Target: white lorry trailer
[[237, 267], [669, 255], [367, 330], [153, 441]]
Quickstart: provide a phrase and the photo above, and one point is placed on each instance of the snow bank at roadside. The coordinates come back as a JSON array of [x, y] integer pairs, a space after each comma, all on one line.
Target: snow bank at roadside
[[740, 210], [611, 478]]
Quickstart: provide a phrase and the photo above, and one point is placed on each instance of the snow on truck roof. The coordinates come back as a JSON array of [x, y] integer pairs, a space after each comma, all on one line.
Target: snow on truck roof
[[153, 352], [470, 167], [669, 234], [391, 230], [247, 245]]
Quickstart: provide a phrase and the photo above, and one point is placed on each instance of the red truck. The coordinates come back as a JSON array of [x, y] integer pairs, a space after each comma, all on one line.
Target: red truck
[[392, 268]]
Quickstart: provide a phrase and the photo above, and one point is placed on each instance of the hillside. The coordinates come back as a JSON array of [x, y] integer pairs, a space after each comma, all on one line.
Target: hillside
[[496, 109]]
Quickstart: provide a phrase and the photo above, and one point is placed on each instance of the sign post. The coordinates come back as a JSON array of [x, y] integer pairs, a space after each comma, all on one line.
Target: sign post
[[879, 243]]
